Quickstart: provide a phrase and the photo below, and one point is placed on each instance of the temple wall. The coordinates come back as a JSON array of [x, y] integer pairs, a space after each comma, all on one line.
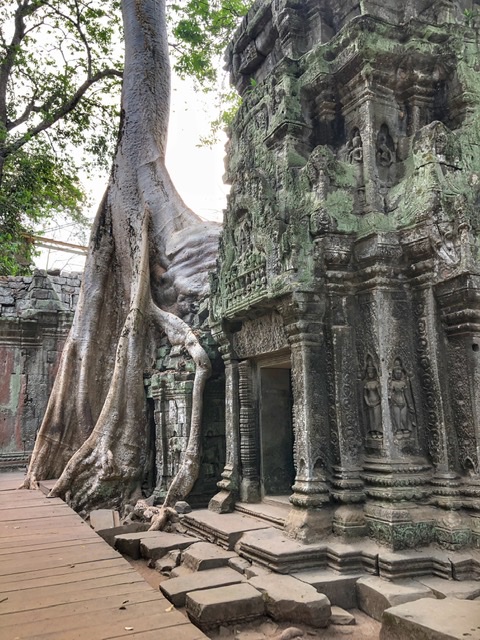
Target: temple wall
[[35, 316], [350, 250]]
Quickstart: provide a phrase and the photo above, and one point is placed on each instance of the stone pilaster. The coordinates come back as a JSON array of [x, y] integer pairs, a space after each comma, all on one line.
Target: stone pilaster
[[224, 501], [250, 483], [395, 470], [460, 302], [440, 439], [310, 415]]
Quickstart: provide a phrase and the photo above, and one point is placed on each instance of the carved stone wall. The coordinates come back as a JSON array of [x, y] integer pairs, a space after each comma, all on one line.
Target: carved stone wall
[[170, 388], [35, 316], [350, 252]]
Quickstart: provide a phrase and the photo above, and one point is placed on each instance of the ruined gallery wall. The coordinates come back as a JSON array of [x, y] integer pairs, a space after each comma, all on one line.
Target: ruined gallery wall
[[35, 315]]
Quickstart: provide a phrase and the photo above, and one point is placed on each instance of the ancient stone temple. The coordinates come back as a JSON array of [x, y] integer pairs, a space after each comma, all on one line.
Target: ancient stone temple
[[347, 296]]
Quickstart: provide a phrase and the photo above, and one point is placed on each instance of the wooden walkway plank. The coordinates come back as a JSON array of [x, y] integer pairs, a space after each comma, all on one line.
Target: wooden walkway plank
[[31, 582], [60, 581], [137, 616], [81, 608]]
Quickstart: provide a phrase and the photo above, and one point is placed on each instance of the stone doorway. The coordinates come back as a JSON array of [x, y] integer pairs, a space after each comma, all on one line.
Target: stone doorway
[[277, 469]]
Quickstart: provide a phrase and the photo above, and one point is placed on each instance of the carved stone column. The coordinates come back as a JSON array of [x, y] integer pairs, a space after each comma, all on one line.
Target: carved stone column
[[303, 318], [440, 440], [250, 482], [158, 397], [395, 470], [460, 302], [224, 501], [346, 436]]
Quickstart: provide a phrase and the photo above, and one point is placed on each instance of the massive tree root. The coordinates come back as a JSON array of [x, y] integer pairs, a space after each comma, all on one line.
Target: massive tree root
[[148, 259]]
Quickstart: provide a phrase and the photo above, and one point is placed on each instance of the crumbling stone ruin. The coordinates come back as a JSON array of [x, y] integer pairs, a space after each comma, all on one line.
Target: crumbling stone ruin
[[345, 303], [346, 300], [35, 316]]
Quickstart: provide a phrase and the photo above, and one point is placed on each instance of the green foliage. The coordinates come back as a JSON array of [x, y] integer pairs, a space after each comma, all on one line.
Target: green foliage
[[35, 188], [60, 76], [200, 31]]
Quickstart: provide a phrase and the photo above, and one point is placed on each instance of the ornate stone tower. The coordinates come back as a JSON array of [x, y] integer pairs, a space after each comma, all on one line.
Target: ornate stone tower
[[347, 295]]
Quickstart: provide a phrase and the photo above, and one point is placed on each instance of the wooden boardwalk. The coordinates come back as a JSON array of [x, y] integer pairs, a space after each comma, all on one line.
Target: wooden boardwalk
[[60, 580]]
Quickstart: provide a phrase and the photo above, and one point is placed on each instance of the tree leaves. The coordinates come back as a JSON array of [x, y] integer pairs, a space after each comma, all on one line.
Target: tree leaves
[[200, 30], [60, 75]]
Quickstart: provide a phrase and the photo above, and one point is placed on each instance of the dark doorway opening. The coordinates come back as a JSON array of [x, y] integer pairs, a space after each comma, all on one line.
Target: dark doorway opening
[[276, 431]]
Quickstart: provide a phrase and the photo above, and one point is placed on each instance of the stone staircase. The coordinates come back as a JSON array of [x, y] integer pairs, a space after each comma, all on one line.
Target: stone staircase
[[226, 568]]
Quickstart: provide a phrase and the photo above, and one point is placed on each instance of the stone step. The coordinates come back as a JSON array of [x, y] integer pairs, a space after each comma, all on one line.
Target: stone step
[[464, 589], [151, 544], [133, 527], [339, 589], [156, 547], [180, 571], [176, 589], [341, 617], [288, 599], [376, 594], [270, 548], [274, 513], [447, 619], [224, 605], [204, 555], [224, 529]]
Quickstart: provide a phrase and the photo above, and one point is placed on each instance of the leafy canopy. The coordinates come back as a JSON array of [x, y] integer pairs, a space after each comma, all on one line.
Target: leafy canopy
[[60, 75], [60, 79]]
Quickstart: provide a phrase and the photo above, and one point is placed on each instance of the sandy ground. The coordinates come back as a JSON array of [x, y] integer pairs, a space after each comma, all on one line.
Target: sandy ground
[[365, 628]]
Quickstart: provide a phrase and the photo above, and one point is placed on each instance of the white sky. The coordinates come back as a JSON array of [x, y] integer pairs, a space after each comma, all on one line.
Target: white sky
[[196, 171]]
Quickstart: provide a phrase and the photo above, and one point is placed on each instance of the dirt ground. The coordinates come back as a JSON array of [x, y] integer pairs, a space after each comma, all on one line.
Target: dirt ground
[[365, 628]]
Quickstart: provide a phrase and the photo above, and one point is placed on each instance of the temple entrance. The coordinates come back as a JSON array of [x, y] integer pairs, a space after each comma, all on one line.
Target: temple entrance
[[276, 431]]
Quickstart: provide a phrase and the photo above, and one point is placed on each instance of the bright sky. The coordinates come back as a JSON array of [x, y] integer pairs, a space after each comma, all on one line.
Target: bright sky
[[196, 171]]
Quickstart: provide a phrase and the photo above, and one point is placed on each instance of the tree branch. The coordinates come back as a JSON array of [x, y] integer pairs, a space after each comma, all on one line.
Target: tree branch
[[61, 112]]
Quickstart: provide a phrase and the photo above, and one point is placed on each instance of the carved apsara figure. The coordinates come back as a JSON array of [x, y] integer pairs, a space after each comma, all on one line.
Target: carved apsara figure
[[372, 398], [401, 401], [355, 147]]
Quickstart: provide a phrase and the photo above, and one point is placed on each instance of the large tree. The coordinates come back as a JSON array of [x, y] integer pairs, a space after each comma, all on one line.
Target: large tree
[[60, 74], [147, 264]]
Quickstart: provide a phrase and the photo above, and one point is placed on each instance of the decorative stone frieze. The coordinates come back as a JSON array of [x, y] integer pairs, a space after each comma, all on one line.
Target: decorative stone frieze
[[349, 257]]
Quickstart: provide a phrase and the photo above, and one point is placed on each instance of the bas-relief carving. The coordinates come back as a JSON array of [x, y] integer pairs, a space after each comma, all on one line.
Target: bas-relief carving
[[372, 399], [363, 142], [265, 334], [402, 407]]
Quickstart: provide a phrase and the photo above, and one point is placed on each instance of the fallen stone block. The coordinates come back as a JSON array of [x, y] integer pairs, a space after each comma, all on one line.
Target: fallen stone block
[[129, 543], [182, 507], [180, 571], [168, 562], [375, 594], [224, 605], [288, 599], [428, 619], [239, 564], [155, 547], [339, 589], [462, 589], [341, 617], [204, 555], [109, 534], [104, 519], [176, 589], [151, 544]]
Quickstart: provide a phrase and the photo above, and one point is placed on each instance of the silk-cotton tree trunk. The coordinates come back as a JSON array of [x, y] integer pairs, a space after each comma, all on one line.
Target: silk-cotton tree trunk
[[148, 260]]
